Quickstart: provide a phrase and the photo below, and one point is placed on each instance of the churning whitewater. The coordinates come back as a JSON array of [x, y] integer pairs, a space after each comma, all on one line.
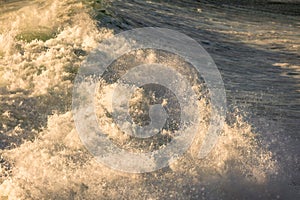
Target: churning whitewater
[[44, 43]]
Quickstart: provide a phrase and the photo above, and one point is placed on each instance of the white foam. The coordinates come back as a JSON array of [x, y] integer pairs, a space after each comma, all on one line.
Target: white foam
[[56, 164]]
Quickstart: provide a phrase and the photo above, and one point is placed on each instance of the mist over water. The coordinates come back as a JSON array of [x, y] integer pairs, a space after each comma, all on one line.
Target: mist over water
[[42, 45]]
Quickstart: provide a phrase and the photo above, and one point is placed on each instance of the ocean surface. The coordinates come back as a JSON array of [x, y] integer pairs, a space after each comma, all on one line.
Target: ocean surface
[[255, 47]]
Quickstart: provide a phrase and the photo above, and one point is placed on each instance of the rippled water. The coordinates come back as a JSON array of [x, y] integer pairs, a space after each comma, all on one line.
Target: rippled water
[[43, 43]]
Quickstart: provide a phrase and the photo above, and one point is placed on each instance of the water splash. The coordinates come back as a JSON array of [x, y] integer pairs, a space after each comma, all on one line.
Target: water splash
[[38, 61]]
